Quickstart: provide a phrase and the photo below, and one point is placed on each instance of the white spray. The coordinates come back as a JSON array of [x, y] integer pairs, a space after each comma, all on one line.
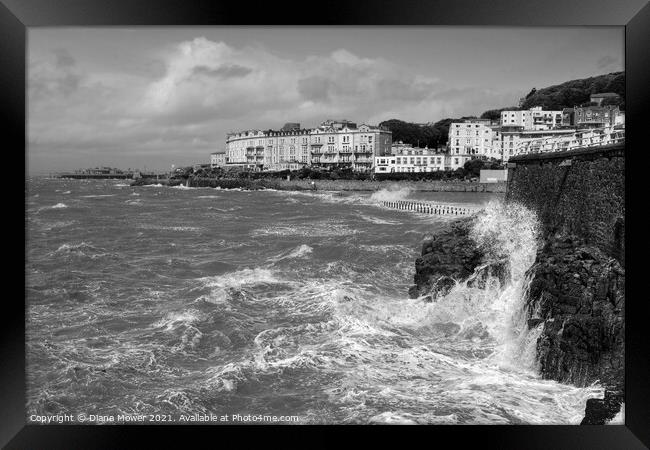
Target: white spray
[[508, 235]]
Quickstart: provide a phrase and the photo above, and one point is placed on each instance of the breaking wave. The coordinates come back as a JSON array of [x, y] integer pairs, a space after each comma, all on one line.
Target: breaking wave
[[298, 252], [391, 194]]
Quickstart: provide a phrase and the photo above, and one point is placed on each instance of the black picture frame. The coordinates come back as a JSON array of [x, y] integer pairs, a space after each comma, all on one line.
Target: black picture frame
[[18, 15]]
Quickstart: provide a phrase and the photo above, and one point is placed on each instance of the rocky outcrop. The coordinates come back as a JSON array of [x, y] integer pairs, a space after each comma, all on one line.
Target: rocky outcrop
[[450, 255], [453, 256], [578, 292]]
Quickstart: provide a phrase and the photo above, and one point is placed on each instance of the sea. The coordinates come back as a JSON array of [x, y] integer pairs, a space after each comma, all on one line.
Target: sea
[[289, 305]]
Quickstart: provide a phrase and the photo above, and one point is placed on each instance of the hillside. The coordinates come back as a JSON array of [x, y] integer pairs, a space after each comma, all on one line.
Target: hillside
[[576, 92]]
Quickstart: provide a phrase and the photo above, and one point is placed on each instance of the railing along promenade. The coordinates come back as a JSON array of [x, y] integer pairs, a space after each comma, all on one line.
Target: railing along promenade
[[591, 137]]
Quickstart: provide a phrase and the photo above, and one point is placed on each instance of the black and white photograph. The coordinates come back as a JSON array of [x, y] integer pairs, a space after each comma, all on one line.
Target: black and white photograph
[[325, 225]]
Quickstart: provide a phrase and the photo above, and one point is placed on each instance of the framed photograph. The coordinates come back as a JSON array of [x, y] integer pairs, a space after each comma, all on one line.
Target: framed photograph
[[314, 218]]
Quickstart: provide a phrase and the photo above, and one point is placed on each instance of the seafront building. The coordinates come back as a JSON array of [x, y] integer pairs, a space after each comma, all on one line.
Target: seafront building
[[532, 119], [333, 144], [217, 159], [594, 116], [343, 144], [470, 139], [405, 158], [518, 130]]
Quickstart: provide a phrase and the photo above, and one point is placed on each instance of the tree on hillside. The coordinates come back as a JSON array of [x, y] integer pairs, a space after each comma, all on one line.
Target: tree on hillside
[[495, 114], [576, 92], [431, 136]]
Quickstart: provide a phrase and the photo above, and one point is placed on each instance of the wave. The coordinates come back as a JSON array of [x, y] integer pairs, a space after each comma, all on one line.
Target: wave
[[493, 311], [82, 249], [165, 227], [57, 224], [98, 195], [391, 194], [243, 277], [310, 230], [173, 320], [59, 206], [406, 251], [378, 221], [298, 252]]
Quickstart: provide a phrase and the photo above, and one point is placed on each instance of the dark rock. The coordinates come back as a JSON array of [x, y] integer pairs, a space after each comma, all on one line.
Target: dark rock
[[582, 289], [442, 286], [600, 411], [448, 256]]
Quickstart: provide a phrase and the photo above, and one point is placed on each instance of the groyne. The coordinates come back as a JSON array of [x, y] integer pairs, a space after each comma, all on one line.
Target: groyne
[[429, 208]]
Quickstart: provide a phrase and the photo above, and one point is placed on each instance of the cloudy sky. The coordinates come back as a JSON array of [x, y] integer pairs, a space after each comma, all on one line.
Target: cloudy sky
[[160, 96]]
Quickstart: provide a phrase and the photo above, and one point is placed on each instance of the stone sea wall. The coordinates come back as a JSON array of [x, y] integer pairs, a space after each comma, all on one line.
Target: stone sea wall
[[330, 185], [580, 193]]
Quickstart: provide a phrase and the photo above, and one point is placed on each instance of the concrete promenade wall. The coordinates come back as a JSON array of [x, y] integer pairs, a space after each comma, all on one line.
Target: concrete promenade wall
[[579, 192], [353, 185], [434, 186]]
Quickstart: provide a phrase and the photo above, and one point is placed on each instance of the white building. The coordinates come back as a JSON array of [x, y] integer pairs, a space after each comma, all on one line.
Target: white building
[[332, 144], [217, 159], [468, 139], [409, 159], [532, 119]]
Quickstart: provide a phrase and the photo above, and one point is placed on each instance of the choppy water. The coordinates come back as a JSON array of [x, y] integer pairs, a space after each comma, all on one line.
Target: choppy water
[[175, 300]]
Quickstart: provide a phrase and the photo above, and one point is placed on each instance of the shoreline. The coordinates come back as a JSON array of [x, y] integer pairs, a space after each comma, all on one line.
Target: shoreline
[[327, 185]]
